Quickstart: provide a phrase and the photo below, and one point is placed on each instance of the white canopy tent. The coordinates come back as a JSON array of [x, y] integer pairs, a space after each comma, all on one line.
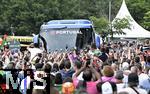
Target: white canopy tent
[[136, 30]]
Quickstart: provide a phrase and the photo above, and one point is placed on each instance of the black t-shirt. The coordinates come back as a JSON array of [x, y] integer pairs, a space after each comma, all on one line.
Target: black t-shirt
[[103, 57]]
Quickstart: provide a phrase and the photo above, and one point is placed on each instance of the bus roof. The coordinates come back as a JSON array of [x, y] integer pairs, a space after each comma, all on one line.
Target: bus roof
[[67, 24], [81, 21]]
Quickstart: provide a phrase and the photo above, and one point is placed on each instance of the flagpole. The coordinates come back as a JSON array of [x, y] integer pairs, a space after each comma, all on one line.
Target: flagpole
[[110, 25], [12, 31], [109, 11]]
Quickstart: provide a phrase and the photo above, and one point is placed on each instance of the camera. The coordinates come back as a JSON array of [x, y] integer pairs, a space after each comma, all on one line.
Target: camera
[[40, 55]]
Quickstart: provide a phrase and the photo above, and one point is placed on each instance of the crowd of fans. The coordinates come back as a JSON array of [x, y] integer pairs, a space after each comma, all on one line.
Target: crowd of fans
[[114, 68]]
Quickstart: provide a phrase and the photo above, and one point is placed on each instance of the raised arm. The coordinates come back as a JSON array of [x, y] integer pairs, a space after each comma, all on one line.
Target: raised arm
[[80, 70], [97, 75]]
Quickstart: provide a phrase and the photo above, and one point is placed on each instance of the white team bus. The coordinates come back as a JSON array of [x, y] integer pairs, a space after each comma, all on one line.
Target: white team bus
[[67, 34]]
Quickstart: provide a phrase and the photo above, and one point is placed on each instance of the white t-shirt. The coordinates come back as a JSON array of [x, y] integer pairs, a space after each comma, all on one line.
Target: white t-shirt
[[142, 77], [79, 76], [131, 91], [125, 80], [34, 52], [120, 86]]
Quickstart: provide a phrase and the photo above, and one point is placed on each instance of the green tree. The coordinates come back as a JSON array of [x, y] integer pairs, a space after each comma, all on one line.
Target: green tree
[[102, 25], [26, 16], [119, 24], [146, 22], [138, 9]]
